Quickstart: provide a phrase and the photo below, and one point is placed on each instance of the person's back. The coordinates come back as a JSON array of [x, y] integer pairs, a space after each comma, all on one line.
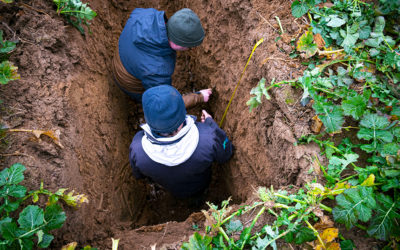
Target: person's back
[[173, 149], [146, 53]]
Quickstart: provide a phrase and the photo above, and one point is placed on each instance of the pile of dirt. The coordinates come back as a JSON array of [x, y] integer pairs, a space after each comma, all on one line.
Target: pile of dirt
[[66, 86]]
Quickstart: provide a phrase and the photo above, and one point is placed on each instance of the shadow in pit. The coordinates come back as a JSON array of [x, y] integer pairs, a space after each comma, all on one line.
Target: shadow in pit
[[144, 203]]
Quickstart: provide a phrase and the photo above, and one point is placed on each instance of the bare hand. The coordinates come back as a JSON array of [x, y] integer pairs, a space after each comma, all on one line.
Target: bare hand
[[204, 115], [206, 94]]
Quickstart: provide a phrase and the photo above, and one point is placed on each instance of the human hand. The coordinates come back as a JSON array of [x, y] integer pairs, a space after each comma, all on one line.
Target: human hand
[[204, 115], [206, 94]]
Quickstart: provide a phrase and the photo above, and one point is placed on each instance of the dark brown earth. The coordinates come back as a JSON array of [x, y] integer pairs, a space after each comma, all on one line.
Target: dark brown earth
[[66, 86]]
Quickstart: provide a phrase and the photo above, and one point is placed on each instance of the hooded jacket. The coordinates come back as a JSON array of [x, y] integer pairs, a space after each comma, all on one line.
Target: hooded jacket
[[144, 49], [182, 163]]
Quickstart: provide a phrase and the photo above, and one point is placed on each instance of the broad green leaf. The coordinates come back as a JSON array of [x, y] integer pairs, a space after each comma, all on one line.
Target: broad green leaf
[[368, 134], [369, 148], [387, 217], [350, 37], [234, 226], [390, 149], [336, 22], [10, 206], [299, 8], [5, 46], [372, 128], [330, 115], [31, 217], [198, 242], [346, 245], [12, 175], [304, 234], [9, 230], [364, 32], [353, 205], [54, 217], [16, 191], [46, 240], [355, 106], [26, 243], [343, 161]]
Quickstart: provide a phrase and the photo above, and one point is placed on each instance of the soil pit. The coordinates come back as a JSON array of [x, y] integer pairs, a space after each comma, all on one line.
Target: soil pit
[[66, 86]]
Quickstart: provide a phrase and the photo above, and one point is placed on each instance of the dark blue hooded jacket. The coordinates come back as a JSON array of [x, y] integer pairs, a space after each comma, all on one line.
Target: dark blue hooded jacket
[[193, 175], [144, 49]]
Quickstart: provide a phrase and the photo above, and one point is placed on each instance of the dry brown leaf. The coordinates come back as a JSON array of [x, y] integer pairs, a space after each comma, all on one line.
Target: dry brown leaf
[[319, 41], [55, 136], [324, 223], [316, 125]]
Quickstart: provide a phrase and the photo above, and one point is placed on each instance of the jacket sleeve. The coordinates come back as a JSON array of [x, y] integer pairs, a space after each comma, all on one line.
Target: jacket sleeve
[[192, 99], [132, 160], [223, 147]]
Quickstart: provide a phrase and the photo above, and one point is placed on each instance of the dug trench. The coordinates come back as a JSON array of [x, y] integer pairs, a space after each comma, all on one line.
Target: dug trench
[[66, 86]]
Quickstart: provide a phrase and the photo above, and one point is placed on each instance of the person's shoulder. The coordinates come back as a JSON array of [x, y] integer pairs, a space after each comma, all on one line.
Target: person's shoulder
[[147, 11], [138, 136]]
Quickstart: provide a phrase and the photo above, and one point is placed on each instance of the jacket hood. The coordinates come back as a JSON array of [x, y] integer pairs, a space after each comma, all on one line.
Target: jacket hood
[[172, 151]]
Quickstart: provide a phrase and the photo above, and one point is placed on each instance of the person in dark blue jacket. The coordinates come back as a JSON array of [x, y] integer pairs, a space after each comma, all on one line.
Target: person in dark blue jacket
[[173, 149], [146, 53]]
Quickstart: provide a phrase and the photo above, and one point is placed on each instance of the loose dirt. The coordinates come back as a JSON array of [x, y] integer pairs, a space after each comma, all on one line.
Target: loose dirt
[[66, 86]]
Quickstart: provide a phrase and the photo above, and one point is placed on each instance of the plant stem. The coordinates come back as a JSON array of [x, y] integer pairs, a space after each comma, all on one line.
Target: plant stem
[[224, 234], [288, 198], [316, 233], [262, 210], [280, 25], [235, 213], [326, 208]]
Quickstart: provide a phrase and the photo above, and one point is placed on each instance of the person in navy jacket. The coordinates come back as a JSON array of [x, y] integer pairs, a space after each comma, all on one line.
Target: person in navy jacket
[[173, 149], [147, 46]]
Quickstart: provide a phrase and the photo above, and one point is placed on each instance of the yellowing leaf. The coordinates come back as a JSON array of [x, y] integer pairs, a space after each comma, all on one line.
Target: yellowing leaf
[[329, 234], [333, 246], [306, 45], [370, 181], [339, 188], [70, 246], [316, 189], [74, 200]]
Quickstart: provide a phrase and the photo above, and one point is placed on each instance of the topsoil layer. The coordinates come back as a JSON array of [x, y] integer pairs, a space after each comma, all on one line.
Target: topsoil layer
[[66, 86]]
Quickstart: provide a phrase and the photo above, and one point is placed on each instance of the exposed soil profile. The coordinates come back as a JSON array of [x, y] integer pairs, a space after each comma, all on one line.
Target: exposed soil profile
[[66, 86]]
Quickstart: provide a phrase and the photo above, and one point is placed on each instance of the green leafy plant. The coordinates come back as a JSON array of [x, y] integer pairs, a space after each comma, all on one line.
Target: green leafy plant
[[8, 71], [354, 88], [33, 224], [76, 12]]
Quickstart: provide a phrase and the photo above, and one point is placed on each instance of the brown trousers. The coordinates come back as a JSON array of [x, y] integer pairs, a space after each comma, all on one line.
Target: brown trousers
[[131, 84]]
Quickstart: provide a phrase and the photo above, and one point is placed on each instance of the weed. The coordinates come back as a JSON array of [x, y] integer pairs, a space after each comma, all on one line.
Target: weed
[[33, 224], [76, 12]]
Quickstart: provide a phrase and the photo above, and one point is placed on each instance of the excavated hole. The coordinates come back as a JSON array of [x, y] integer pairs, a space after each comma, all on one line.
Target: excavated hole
[[144, 203]]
